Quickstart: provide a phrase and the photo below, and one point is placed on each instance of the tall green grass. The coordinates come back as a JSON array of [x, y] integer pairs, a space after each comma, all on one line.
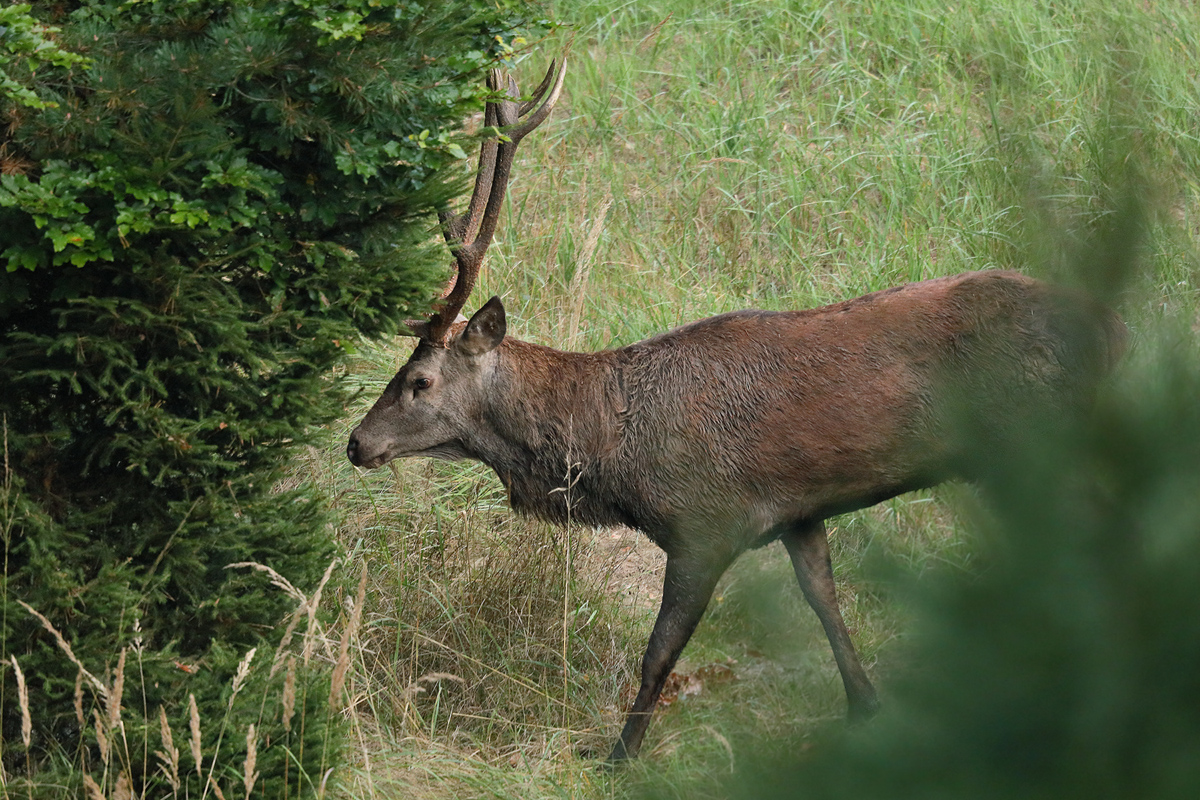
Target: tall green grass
[[709, 156]]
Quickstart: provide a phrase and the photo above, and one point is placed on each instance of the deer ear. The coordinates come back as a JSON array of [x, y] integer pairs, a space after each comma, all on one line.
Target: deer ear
[[486, 329]]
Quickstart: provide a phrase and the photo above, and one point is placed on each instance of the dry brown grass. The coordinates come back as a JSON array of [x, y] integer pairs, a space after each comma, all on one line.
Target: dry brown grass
[[113, 774], [464, 633]]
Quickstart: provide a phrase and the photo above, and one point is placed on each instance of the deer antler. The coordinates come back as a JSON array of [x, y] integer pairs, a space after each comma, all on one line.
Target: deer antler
[[470, 233]]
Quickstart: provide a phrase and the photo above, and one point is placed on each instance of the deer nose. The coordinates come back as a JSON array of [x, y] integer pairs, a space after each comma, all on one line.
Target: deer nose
[[352, 450]]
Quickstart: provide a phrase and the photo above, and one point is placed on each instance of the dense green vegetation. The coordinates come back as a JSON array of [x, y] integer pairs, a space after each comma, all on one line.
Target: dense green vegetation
[[202, 206]]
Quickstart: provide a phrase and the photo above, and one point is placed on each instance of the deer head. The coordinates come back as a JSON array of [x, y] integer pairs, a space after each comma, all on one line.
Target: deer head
[[426, 407]]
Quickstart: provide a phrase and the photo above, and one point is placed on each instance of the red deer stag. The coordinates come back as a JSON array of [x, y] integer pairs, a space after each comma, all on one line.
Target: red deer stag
[[737, 430]]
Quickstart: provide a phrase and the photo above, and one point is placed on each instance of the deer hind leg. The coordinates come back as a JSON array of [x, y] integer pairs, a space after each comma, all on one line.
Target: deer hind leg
[[808, 547], [687, 588]]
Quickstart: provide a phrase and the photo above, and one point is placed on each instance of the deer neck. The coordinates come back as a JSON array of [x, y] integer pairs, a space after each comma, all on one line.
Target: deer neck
[[552, 429]]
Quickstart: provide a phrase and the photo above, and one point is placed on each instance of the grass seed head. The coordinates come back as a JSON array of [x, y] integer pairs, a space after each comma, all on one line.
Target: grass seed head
[[194, 726], [289, 693], [116, 693], [23, 702], [169, 755], [243, 671], [249, 774]]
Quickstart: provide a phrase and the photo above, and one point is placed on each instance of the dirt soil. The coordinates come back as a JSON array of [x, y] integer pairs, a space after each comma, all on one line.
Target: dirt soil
[[630, 566]]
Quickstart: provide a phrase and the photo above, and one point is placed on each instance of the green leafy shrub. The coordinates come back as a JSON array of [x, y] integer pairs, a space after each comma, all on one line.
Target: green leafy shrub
[[202, 204]]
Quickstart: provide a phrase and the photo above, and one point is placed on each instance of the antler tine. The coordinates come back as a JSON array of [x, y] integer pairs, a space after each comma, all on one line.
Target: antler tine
[[536, 96], [459, 229], [509, 113], [469, 255], [547, 106]]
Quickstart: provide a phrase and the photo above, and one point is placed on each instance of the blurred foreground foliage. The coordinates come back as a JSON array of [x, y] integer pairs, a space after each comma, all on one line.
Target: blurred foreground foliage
[[1064, 664], [1066, 667]]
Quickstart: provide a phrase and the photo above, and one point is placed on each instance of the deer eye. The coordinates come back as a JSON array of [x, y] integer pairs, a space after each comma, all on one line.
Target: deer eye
[[422, 383]]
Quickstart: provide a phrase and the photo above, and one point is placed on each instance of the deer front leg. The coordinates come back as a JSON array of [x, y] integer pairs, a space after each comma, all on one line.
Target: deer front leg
[[687, 588], [808, 547]]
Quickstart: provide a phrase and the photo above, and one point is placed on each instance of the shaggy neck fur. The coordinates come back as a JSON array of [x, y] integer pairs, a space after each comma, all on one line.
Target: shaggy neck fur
[[555, 424]]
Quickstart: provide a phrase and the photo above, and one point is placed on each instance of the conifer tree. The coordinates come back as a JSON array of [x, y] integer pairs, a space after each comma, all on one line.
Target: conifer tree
[[201, 205]]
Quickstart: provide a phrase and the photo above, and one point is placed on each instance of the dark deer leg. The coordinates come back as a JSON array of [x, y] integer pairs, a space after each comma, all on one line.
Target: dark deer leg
[[808, 547], [688, 585]]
